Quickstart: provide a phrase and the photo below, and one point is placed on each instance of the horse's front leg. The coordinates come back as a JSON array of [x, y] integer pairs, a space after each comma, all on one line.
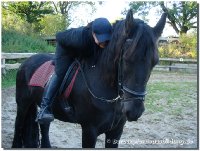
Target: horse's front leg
[[113, 136], [89, 136]]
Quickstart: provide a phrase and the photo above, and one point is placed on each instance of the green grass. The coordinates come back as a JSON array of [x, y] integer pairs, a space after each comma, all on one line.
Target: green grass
[[163, 95], [13, 41], [9, 79]]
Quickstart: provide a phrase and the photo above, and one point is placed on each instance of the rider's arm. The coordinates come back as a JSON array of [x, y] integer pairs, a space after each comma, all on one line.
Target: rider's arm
[[70, 39]]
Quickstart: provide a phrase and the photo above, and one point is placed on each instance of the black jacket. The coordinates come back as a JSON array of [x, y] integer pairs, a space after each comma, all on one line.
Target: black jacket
[[78, 42]]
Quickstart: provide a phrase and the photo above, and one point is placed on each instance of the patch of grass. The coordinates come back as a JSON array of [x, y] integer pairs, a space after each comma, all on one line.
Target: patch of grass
[[177, 112], [9, 79], [164, 95]]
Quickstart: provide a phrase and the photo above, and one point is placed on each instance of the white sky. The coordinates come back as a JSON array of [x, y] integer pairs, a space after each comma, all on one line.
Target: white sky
[[112, 10]]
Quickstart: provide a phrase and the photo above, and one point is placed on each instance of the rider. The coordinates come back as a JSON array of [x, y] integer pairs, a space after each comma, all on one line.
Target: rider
[[82, 42]]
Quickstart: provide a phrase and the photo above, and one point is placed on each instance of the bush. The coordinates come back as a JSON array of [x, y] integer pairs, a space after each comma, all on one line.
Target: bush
[[186, 48], [188, 43], [13, 41]]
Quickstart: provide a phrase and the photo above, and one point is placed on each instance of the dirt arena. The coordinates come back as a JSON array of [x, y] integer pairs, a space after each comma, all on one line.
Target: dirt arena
[[160, 129]]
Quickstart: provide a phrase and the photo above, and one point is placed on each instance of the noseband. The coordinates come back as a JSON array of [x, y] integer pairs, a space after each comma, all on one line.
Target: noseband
[[135, 95]]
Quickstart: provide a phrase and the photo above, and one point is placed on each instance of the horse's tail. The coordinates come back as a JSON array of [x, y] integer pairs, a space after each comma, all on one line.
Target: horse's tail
[[26, 129]]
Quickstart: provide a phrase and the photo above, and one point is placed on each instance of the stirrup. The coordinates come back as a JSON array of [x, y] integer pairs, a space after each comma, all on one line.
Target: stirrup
[[43, 117], [46, 119]]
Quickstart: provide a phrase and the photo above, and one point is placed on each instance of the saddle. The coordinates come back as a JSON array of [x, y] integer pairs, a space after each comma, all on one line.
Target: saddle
[[44, 72]]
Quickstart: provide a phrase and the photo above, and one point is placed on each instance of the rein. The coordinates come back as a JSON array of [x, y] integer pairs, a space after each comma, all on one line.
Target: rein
[[121, 87], [96, 97], [114, 100]]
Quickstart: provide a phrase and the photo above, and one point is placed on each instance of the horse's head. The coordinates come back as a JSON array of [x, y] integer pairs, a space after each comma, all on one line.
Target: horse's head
[[132, 53], [139, 55]]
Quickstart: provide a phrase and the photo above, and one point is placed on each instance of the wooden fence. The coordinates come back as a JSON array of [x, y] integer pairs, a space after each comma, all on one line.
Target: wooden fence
[[174, 64], [13, 56], [170, 64]]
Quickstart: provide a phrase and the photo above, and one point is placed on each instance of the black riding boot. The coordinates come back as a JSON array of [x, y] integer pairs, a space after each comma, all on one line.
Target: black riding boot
[[45, 114]]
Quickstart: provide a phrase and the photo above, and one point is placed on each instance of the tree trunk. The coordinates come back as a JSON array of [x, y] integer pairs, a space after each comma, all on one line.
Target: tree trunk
[[183, 30]]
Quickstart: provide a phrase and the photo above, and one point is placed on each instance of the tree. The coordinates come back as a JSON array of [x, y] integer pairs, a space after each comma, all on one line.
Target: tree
[[51, 24], [141, 8], [12, 22], [64, 7], [31, 11], [182, 15]]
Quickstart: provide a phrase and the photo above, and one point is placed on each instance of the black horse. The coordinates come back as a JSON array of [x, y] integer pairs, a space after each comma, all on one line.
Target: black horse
[[103, 97]]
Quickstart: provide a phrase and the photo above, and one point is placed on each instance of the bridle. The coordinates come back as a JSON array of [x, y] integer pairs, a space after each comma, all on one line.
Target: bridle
[[135, 95]]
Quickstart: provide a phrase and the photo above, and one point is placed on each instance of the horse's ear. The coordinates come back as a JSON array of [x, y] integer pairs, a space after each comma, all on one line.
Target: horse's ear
[[129, 22], [158, 29]]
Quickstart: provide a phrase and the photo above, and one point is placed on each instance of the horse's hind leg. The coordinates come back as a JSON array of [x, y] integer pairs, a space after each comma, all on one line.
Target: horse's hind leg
[[45, 143], [23, 104], [19, 123], [17, 140], [31, 128]]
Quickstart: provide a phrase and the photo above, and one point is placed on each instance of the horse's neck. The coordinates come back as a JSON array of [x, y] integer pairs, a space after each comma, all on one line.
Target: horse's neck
[[99, 83]]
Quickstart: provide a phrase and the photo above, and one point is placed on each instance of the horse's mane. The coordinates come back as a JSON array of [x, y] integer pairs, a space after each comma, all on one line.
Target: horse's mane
[[143, 44], [111, 53], [113, 47]]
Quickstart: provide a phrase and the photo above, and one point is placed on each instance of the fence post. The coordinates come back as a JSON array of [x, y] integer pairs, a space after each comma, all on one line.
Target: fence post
[[3, 65], [170, 64]]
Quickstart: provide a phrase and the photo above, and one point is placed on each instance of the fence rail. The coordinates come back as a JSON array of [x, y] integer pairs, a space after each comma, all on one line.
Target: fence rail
[[172, 64]]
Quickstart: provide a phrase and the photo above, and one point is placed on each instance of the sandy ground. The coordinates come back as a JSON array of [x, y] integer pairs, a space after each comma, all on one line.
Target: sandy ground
[[152, 130]]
